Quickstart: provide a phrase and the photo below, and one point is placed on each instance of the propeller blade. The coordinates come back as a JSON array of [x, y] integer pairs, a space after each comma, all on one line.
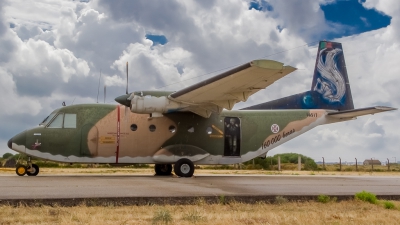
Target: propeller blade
[[126, 77]]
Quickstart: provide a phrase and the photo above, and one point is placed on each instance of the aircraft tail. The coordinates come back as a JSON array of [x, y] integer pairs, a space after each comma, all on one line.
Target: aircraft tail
[[330, 88]]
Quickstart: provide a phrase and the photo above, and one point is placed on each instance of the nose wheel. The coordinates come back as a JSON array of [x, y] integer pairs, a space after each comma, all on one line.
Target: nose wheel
[[21, 170], [31, 169]]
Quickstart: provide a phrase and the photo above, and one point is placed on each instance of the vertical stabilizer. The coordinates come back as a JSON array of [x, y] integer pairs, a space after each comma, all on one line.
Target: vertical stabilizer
[[330, 81]]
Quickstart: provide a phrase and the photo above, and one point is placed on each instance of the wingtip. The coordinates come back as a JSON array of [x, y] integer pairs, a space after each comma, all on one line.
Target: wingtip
[[385, 108]]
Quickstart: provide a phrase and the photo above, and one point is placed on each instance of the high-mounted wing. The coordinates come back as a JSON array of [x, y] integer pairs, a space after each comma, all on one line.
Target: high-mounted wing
[[228, 88]]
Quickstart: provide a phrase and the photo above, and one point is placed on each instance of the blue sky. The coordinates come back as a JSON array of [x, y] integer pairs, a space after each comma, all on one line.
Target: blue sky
[[54, 50], [350, 13]]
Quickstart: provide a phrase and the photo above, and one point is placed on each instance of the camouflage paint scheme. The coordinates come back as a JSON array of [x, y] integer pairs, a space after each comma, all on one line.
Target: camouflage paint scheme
[[94, 140], [113, 134]]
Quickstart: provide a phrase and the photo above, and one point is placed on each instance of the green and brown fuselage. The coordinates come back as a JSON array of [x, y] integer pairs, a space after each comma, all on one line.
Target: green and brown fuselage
[[113, 134]]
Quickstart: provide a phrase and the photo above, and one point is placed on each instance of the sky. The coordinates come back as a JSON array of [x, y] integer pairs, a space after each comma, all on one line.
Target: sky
[[52, 51]]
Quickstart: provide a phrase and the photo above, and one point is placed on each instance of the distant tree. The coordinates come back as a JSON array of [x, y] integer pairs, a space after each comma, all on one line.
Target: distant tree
[[7, 155], [267, 163]]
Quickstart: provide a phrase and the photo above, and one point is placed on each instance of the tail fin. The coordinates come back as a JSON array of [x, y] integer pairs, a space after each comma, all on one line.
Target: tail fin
[[330, 88]]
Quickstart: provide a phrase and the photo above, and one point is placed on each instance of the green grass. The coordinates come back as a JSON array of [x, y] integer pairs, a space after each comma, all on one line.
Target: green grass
[[366, 197], [388, 205], [323, 198]]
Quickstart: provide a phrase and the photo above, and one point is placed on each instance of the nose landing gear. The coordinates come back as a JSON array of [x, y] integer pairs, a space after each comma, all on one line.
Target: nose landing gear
[[30, 169]]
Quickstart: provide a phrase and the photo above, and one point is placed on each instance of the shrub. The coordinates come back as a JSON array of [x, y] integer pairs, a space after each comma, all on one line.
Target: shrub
[[310, 165], [193, 217], [162, 216], [388, 205], [366, 197], [222, 200], [323, 198], [280, 200]]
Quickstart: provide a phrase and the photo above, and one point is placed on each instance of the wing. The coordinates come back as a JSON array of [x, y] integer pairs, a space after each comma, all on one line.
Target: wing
[[228, 88]]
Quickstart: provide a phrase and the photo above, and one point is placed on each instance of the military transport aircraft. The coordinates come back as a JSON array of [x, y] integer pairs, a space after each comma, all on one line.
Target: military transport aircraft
[[189, 126]]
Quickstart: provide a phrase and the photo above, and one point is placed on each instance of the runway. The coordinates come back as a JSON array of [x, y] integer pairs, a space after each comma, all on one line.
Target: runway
[[145, 186]]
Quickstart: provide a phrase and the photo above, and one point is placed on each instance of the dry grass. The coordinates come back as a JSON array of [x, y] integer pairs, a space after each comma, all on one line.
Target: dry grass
[[347, 212]]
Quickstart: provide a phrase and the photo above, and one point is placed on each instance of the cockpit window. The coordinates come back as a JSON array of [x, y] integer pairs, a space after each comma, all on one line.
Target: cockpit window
[[70, 121], [47, 119], [57, 122]]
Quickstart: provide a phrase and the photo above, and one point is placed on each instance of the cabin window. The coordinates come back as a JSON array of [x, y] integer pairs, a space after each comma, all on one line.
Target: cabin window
[[172, 129], [70, 121], [133, 127], [191, 129], [57, 122], [209, 130], [152, 128]]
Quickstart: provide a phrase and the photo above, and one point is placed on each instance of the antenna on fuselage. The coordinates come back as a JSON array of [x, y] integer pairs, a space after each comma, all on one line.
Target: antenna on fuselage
[[98, 88]]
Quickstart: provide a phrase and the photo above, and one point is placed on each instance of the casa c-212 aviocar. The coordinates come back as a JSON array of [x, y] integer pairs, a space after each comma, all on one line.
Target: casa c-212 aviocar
[[190, 126]]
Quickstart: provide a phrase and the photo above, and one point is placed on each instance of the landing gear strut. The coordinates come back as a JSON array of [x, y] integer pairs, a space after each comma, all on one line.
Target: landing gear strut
[[30, 169], [163, 169]]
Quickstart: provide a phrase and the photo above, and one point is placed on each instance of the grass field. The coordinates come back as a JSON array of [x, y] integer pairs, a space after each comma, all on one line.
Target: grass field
[[345, 212]]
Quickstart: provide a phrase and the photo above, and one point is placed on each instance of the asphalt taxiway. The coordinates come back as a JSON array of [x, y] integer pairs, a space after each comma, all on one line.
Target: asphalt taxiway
[[135, 186]]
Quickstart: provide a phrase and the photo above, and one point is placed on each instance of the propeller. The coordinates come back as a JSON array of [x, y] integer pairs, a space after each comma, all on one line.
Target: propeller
[[123, 99], [128, 105]]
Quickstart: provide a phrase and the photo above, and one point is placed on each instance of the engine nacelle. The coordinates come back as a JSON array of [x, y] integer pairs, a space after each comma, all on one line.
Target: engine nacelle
[[151, 104]]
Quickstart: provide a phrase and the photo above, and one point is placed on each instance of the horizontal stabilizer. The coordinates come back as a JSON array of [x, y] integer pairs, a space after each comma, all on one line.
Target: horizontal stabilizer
[[360, 112]]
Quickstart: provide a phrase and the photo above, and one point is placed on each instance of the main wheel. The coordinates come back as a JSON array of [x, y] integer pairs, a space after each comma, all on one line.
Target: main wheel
[[184, 168], [21, 170], [163, 169], [35, 170]]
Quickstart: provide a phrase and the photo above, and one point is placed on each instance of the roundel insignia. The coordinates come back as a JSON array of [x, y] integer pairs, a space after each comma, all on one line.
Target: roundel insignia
[[275, 128]]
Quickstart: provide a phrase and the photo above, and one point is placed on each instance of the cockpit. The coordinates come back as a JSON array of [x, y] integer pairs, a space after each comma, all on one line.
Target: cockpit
[[59, 120]]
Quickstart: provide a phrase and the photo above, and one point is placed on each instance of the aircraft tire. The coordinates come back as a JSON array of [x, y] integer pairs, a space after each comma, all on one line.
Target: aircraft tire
[[184, 168], [35, 170], [163, 169], [21, 170]]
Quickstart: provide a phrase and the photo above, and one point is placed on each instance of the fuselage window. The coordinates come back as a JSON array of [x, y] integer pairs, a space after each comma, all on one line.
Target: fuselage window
[[209, 130], [57, 122], [133, 127], [191, 129], [70, 121], [172, 129], [152, 128]]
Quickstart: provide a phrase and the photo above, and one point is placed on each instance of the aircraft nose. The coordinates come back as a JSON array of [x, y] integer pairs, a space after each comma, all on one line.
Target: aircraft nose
[[9, 144], [123, 100]]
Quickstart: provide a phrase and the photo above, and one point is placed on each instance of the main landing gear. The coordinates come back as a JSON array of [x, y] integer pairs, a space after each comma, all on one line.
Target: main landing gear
[[182, 168], [163, 169], [30, 169]]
